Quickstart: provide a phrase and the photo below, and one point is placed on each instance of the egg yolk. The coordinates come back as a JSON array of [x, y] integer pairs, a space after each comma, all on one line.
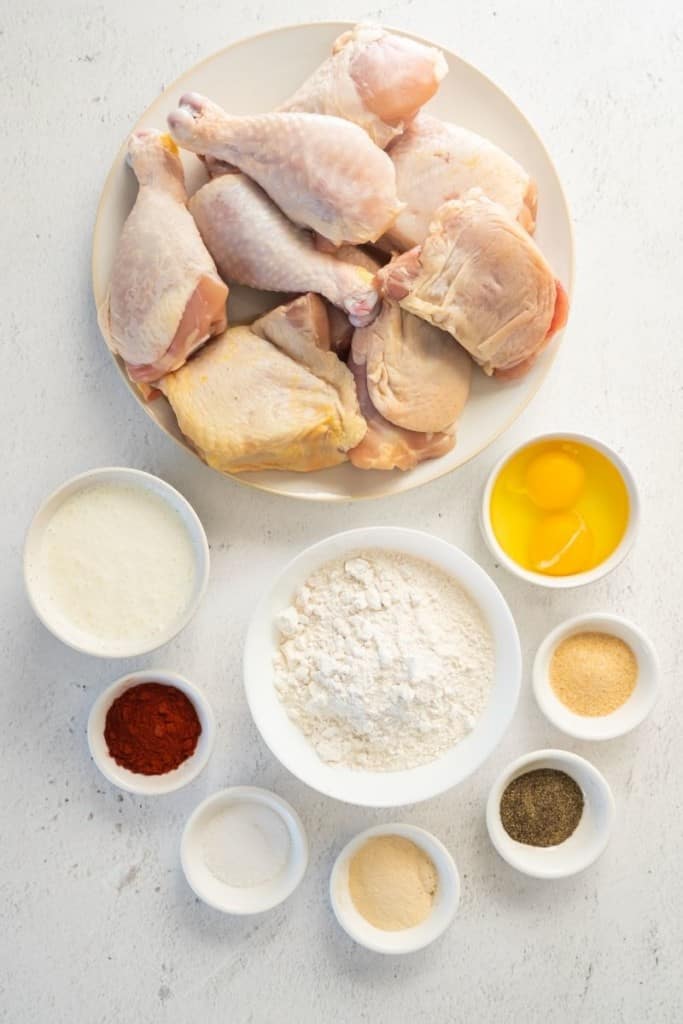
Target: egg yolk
[[561, 544], [554, 481]]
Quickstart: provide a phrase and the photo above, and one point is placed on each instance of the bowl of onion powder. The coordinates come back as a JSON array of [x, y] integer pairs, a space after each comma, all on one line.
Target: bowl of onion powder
[[382, 667]]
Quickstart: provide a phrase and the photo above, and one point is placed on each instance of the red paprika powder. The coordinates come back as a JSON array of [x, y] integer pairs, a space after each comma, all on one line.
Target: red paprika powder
[[151, 728]]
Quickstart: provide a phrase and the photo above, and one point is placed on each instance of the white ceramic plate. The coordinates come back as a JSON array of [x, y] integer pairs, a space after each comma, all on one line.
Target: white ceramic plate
[[396, 788], [466, 96]]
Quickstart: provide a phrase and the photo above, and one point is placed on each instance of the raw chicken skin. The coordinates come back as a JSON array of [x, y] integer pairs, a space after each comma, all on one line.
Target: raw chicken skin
[[304, 321], [374, 78], [436, 161], [268, 397], [386, 446], [165, 296], [480, 277], [341, 330], [324, 173], [416, 377], [254, 244]]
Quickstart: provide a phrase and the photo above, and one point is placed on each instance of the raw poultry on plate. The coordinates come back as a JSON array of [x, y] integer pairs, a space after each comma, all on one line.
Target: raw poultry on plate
[[372, 364], [254, 244], [269, 396], [165, 296], [436, 161], [376, 79]]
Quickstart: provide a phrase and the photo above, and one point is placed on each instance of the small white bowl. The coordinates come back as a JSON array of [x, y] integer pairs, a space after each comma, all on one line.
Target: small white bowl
[[150, 785], [624, 718], [242, 899], [409, 939], [59, 626], [585, 844], [394, 788], [580, 578]]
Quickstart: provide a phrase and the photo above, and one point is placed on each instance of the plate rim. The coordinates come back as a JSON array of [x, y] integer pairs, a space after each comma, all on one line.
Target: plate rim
[[243, 478]]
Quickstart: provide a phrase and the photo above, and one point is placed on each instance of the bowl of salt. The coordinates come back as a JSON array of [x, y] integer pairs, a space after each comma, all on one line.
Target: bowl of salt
[[244, 850]]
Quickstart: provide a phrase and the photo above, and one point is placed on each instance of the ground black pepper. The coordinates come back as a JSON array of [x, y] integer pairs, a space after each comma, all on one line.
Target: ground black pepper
[[541, 807]]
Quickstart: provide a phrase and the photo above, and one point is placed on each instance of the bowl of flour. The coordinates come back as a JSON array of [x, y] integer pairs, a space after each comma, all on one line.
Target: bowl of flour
[[382, 667]]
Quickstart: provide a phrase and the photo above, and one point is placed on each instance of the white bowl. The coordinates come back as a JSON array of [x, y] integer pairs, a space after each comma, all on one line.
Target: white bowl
[[624, 718], [580, 578], [242, 899], [585, 844], [395, 788], [232, 78], [59, 626], [150, 785], [409, 939]]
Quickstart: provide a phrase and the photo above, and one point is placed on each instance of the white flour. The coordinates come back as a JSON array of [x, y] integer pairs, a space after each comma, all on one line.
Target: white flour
[[384, 661]]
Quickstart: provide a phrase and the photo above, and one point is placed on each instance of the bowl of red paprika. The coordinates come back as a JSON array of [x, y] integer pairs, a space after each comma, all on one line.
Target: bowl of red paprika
[[151, 732]]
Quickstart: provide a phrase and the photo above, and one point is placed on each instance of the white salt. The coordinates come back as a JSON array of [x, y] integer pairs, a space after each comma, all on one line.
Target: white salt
[[246, 844]]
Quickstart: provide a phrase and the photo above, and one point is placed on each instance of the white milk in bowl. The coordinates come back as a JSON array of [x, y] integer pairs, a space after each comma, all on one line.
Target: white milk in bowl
[[116, 568]]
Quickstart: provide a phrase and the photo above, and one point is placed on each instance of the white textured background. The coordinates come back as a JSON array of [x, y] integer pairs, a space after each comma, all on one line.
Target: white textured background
[[98, 924]]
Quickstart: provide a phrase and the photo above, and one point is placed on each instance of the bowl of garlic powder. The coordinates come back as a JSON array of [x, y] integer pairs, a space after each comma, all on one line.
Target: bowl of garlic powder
[[394, 888], [596, 676], [382, 667]]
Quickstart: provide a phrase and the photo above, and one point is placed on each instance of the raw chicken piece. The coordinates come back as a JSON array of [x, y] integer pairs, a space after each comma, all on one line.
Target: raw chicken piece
[[254, 244], [436, 161], [165, 297], [358, 257], [323, 172], [341, 331], [386, 446], [479, 276], [303, 322], [375, 78], [267, 397], [416, 377]]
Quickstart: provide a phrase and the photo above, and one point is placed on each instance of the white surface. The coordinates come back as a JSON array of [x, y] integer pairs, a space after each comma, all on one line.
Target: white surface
[[59, 621], [465, 95], [588, 840], [99, 924], [407, 940], [367, 788], [134, 782], [576, 579], [624, 718], [234, 899]]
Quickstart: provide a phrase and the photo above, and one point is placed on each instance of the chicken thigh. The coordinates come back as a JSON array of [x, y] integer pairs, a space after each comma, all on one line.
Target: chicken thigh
[[165, 296], [254, 244], [416, 377], [386, 446], [268, 397], [436, 161], [479, 276], [324, 173], [375, 78]]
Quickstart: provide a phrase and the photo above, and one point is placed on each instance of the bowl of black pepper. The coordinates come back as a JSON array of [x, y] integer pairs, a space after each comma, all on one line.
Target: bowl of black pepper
[[151, 732], [550, 814]]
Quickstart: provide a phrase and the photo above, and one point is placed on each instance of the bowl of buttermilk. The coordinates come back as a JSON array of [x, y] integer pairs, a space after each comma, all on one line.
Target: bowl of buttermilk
[[116, 562]]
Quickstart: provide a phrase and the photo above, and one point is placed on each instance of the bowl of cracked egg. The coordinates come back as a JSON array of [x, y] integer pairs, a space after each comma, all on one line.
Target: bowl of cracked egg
[[382, 667], [560, 511]]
